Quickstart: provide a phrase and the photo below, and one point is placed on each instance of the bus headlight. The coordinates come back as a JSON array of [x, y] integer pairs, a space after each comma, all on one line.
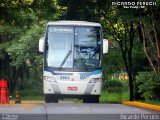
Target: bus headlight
[[95, 80], [51, 79]]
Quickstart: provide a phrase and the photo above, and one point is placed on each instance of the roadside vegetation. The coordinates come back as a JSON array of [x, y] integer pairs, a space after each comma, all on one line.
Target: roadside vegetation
[[131, 68], [29, 94], [115, 91], [113, 97]]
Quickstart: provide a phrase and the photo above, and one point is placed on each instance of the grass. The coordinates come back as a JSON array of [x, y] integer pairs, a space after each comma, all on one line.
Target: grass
[[29, 94], [32, 98], [113, 97], [107, 97], [37, 94]]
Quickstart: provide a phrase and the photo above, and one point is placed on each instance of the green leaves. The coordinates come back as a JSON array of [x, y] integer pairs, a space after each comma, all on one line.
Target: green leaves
[[21, 26], [25, 50], [19, 56], [149, 85]]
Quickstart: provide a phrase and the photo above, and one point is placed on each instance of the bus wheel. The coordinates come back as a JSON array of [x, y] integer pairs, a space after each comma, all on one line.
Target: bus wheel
[[50, 98], [91, 99]]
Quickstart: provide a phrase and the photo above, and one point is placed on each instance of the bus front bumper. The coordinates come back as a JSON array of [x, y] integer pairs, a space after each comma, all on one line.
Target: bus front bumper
[[72, 88]]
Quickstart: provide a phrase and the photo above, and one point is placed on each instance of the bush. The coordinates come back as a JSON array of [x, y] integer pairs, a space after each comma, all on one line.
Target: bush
[[114, 97], [149, 85], [30, 94], [114, 85]]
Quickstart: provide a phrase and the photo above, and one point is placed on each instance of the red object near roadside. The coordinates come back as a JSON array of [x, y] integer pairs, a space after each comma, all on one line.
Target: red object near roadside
[[4, 98]]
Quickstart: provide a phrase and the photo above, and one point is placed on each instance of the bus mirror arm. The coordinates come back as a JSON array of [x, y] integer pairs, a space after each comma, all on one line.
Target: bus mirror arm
[[105, 46], [41, 44]]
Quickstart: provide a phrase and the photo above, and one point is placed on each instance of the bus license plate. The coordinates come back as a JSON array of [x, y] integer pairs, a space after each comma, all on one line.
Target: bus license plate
[[72, 88]]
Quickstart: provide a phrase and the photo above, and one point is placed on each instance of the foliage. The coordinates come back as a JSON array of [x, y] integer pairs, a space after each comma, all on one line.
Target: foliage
[[20, 58], [27, 12], [114, 85], [25, 50], [132, 31], [78, 10], [22, 24], [30, 94], [121, 28], [150, 37], [110, 65], [149, 85], [114, 97]]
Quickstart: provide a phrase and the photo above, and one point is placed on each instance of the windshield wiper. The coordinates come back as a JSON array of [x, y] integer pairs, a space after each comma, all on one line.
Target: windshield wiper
[[65, 58]]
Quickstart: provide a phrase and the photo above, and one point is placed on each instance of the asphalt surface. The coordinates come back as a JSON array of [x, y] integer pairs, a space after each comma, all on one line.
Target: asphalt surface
[[75, 111]]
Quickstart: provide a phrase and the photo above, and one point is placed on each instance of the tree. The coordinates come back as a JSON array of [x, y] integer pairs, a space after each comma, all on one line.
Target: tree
[[150, 37], [124, 34], [19, 56], [120, 25], [21, 26], [79, 10]]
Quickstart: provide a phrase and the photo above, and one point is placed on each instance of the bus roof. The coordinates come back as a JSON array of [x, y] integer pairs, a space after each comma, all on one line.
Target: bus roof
[[74, 23]]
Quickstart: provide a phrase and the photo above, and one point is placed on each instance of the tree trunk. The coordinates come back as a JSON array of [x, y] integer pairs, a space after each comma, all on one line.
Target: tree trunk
[[131, 98]]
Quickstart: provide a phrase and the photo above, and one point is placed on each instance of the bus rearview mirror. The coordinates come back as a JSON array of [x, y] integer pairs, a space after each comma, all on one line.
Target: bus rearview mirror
[[105, 46], [41, 44]]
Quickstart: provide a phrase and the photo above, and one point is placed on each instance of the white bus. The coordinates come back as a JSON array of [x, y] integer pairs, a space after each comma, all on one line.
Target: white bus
[[72, 60]]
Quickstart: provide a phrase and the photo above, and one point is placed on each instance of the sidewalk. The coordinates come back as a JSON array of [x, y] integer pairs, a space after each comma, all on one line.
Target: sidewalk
[[142, 105]]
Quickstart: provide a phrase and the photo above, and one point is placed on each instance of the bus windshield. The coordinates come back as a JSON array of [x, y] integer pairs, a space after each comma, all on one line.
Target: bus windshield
[[73, 47]]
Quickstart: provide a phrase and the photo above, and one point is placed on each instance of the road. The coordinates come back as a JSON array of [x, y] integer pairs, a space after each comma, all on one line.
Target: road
[[75, 111]]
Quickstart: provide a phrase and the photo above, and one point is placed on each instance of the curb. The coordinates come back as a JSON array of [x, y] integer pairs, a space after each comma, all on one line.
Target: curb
[[142, 105], [27, 102]]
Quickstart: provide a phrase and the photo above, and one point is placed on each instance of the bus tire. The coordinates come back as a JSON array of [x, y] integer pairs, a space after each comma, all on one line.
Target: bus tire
[[91, 99], [50, 98]]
